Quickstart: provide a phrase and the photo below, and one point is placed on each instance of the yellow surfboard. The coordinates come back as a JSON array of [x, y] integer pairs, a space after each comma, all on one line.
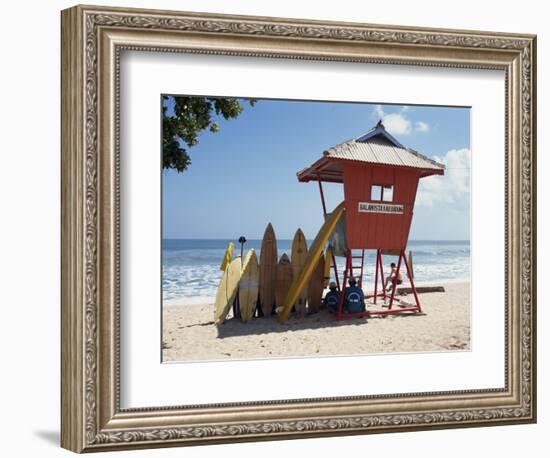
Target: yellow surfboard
[[249, 286], [227, 291], [299, 257], [228, 256], [328, 265], [314, 253]]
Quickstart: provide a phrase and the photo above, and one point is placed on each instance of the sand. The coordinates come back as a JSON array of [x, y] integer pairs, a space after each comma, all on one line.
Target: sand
[[189, 332]]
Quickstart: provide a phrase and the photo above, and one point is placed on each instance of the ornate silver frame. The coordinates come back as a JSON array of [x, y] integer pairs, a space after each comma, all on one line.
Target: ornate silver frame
[[92, 39]]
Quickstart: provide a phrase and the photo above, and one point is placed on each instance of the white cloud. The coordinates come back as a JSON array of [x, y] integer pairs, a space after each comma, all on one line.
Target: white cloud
[[396, 123], [421, 126], [399, 123], [453, 187]]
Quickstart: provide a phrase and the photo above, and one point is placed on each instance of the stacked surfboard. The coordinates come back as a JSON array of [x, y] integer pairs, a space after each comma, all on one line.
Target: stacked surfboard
[[268, 271], [276, 286], [312, 266], [239, 285], [227, 290], [249, 286]]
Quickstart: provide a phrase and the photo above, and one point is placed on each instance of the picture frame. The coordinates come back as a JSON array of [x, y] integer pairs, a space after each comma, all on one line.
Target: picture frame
[[92, 41]]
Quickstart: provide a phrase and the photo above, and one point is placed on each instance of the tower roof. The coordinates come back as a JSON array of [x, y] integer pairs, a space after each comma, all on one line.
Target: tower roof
[[377, 147]]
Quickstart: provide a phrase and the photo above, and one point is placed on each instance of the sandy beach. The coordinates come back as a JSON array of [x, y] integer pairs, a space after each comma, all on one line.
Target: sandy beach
[[189, 332]]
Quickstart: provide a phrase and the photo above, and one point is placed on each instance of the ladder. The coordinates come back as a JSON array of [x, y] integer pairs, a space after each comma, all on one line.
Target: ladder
[[360, 267]]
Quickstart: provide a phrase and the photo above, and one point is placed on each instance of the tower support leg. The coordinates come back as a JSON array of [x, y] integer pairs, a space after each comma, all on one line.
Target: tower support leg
[[382, 277], [376, 275], [335, 268], [345, 279], [362, 269], [394, 283], [416, 299]]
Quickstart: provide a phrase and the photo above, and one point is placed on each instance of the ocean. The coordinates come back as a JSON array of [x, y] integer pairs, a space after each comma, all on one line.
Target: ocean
[[191, 267]]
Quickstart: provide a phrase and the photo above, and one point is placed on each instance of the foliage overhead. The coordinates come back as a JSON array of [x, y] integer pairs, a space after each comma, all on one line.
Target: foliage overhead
[[191, 115]]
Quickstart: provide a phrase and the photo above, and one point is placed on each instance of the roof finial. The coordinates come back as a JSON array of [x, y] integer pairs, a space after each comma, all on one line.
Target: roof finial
[[379, 124]]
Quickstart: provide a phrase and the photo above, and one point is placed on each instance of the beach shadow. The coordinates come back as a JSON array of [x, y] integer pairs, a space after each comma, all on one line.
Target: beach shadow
[[52, 437], [258, 326], [407, 315], [206, 323]]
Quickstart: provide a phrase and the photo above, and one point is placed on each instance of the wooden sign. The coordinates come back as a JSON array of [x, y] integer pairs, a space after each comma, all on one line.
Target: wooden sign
[[367, 207]]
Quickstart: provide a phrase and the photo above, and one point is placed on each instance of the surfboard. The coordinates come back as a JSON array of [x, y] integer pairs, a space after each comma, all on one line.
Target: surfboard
[[221, 295], [315, 251], [228, 256], [411, 264], [316, 286], [299, 256], [283, 279], [328, 265], [268, 270], [227, 291], [249, 286]]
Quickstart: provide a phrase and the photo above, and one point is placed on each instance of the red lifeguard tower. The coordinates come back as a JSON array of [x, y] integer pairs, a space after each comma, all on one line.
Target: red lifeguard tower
[[380, 178]]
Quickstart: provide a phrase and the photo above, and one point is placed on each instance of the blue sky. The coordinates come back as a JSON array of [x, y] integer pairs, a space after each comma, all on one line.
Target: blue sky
[[244, 176]]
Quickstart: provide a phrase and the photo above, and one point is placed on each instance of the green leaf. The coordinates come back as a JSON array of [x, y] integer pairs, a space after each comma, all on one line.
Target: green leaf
[[192, 115]]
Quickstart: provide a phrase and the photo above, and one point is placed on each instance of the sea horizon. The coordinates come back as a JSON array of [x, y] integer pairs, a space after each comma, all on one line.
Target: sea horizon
[[290, 238], [191, 266]]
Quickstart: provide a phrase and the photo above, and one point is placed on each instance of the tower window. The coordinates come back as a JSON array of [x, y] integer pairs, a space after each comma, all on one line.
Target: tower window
[[387, 193], [381, 193], [376, 192]]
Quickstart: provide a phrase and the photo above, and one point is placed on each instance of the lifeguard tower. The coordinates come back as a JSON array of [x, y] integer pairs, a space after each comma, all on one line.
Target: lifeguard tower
[[380, 178]]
